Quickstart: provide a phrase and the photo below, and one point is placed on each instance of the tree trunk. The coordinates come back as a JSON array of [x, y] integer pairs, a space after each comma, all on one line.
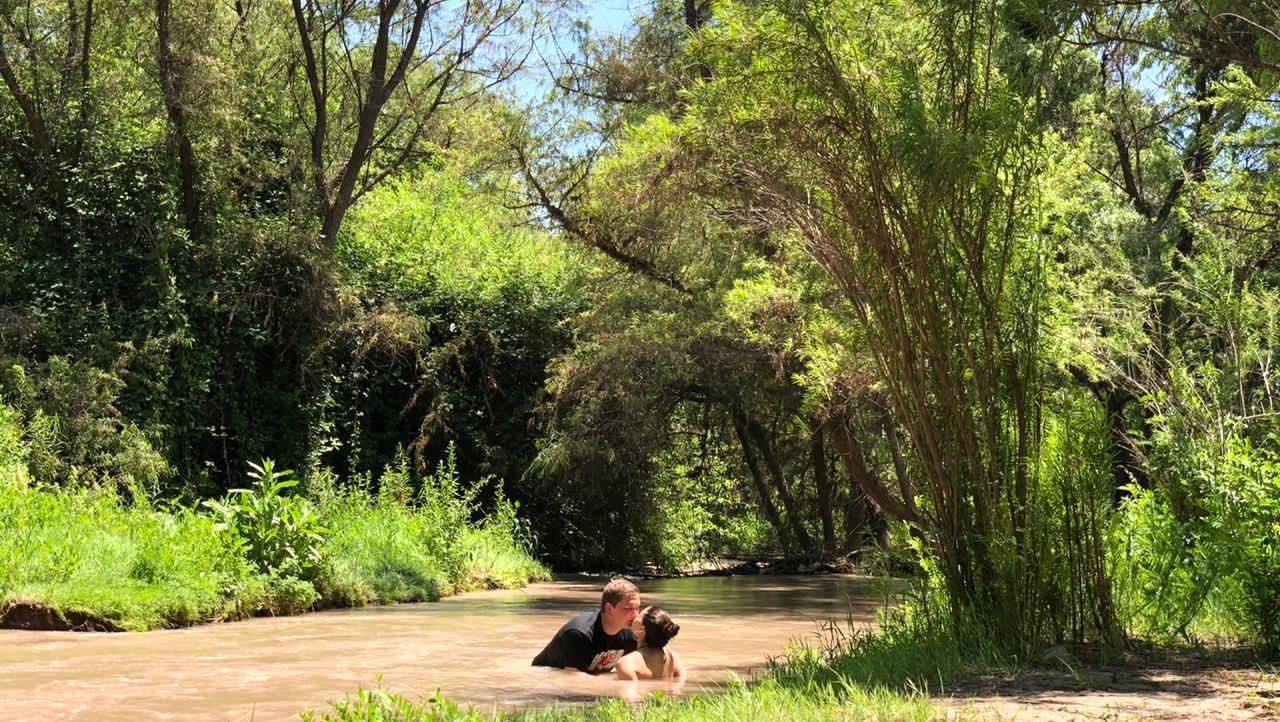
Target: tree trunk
[[696, 14], [172, 85], [826, 491], [757, 478], [851, 454], [794, 519], [40, 139], [905, 487], [1126, 463], [86, 42], [863, 522]]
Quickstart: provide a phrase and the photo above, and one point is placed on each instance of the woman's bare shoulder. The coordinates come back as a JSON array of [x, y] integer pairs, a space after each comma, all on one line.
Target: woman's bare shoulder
[[675, 667], [631, 666]]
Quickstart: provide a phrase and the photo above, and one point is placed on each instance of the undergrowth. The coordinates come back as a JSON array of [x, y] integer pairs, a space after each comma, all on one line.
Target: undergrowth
[[265, 550]]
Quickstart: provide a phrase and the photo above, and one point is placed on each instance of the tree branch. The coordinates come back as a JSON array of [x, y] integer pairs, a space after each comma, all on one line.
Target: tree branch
[[851, 454], [35, 123], [579, 230]]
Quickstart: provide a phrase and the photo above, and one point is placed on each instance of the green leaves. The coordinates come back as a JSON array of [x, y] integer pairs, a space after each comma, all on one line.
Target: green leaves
[[281, 535]]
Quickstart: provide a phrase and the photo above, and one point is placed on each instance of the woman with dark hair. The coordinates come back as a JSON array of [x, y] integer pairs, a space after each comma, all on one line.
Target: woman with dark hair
[[654, 659]]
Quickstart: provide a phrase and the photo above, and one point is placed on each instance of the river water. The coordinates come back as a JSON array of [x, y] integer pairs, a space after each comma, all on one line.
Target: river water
[[474, 648]]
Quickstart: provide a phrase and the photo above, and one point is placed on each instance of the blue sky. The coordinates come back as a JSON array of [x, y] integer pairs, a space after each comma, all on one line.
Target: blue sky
[[613, 16], [606, 17]]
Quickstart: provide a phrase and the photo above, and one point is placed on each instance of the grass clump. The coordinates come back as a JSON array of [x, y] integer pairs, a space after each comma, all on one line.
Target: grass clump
[[93, 552], [406, 545], [909, 651], [89, 552], [377, 553]]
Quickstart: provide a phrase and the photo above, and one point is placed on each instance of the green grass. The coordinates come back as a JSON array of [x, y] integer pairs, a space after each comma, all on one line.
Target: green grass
[[379, 554], [85, 551], [916, 656], [765, 701], [89, 552], [383, 551]]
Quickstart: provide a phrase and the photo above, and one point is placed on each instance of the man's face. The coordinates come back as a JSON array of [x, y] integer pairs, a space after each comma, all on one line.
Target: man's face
[[624, 613], [637, 625]]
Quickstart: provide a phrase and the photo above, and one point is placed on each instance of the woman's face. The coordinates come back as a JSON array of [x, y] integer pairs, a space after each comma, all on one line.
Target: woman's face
[[637, 627]]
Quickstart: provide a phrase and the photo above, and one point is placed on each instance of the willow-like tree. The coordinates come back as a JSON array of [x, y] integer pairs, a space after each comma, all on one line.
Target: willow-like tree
[[889, 139]]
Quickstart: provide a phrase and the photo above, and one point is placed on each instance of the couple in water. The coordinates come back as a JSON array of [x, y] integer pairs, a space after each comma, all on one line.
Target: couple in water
[[621, 636]]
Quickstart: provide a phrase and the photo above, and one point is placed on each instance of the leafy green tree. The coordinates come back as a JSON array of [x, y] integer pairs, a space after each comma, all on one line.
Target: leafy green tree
[[378, 73], [889, 139], [1164, 248], [461, 310]]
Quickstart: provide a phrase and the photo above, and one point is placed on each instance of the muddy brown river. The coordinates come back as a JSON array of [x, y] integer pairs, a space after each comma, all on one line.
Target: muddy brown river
[[474, 648]]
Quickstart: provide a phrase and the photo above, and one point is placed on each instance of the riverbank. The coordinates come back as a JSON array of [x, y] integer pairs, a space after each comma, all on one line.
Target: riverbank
[[1152, 684], [90, 559], [1190, 685], [727, 567]]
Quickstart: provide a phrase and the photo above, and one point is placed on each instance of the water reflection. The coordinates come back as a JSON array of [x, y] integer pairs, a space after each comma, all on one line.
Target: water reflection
[[475, 648]]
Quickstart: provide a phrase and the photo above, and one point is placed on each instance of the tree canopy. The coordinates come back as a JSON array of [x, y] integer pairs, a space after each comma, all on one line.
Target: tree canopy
[[984, 289]]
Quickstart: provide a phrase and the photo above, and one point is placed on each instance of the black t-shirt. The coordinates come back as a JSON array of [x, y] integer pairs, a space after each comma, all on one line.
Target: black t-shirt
[[581, 643]]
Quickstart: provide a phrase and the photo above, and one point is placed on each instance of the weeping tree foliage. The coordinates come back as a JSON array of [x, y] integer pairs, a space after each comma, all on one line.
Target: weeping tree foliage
[[888, 137], [701, 328]]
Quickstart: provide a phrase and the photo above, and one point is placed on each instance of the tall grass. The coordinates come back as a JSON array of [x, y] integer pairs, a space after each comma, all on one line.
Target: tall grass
[[91, 552], [401, 545], [87, 551], [382, 553]]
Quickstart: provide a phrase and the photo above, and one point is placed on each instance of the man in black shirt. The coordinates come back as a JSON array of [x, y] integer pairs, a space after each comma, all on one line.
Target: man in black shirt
[[593, 642]]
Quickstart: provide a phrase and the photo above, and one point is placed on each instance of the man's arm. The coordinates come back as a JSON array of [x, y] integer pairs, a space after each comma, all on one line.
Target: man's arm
[[578, 651]]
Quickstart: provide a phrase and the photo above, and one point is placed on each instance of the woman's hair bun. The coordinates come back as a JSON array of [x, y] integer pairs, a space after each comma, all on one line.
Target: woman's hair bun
[[659, 628]]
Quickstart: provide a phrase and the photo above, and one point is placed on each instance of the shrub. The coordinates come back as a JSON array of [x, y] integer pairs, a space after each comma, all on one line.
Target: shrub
[[74, 434], [282, 535], [13, 450], [1199, 554], [398, 546], [444, 506]]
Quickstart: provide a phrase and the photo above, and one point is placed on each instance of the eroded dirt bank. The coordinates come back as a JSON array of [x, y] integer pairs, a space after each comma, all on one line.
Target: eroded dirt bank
[[31, 615]]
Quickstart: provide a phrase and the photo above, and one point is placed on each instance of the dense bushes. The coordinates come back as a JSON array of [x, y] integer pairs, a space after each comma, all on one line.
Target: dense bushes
[[1204, 566], [459, 312], [74, 434]]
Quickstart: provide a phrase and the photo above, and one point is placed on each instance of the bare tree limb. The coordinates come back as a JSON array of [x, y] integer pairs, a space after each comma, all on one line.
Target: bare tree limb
[[585, 233], [35, 122]]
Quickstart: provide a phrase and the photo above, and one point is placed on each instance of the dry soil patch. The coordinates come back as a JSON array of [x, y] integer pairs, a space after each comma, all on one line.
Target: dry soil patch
[[1180, 689]]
